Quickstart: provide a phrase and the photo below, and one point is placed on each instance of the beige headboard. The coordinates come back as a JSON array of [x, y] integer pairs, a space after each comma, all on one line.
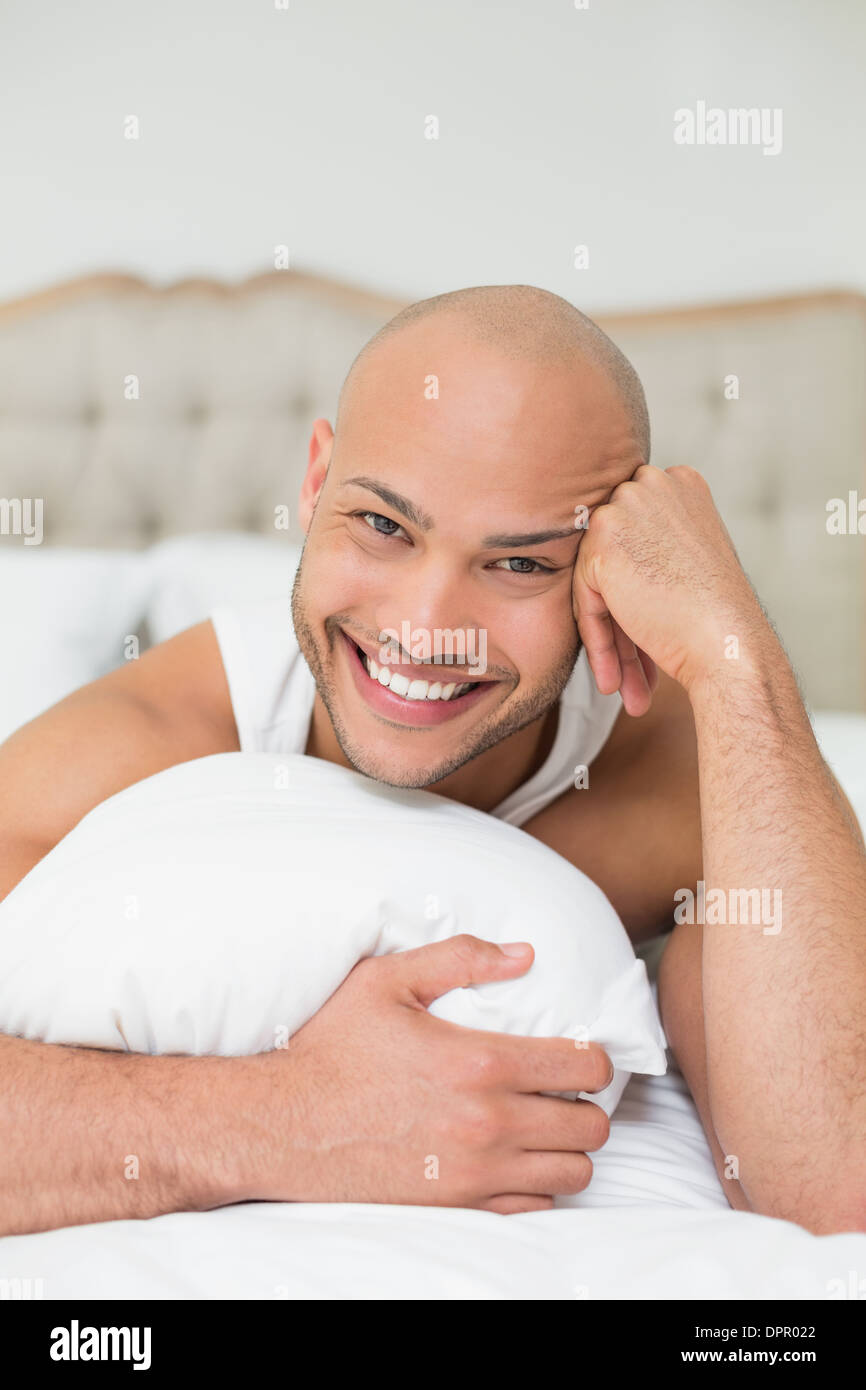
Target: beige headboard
[[230, 378]]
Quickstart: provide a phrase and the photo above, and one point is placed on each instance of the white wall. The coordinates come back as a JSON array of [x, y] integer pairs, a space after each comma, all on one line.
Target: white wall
[[261, 126]]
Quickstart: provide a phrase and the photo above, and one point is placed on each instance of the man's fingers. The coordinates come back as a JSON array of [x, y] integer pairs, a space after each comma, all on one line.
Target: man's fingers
[[557, 1174], [553, 1123], [512, 1203], [615, 661], [531, 1065], [634, 688], [547, 1063], [596, 628], [650, 670], [430, 971]]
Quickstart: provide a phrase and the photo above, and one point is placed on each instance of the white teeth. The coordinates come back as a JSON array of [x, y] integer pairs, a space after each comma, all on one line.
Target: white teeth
[[413, 690]]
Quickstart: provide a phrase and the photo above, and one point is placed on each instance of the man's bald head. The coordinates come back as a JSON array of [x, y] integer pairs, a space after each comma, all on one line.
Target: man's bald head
[[523, 322]]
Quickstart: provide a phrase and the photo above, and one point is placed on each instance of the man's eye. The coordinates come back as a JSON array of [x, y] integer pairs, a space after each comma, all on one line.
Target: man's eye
[[376, 518], [524, 560]]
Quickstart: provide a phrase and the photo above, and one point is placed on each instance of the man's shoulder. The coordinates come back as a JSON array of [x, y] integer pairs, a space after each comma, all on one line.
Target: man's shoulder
[[634, 827], [651, 759]]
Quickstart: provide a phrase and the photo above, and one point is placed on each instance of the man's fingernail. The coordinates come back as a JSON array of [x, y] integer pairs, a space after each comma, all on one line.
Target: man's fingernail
[[515, 948]]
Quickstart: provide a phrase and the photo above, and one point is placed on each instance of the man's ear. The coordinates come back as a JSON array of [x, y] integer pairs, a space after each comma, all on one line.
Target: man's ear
[[321, 448]]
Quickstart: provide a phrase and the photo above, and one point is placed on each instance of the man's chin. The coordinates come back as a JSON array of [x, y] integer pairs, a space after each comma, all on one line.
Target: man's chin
[[406, 759], [383, 763]]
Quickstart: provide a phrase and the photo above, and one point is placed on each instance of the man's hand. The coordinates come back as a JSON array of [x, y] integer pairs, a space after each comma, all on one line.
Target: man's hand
[[657, 582], [386, 1103]]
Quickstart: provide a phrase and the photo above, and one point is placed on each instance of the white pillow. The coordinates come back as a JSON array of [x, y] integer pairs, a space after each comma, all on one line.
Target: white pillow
[[214, 907], [194, 574], [64, 616]]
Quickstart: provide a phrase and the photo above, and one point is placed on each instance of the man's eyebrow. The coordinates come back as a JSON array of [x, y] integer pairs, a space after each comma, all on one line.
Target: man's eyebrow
[[528, 538], [424, 522], [394, 499]]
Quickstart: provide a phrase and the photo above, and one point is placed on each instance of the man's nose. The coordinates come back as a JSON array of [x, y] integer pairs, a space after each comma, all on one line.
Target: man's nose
[[433, 596]]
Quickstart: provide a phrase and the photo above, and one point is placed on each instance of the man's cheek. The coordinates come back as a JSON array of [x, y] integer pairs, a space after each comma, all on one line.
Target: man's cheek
[[337, 574]]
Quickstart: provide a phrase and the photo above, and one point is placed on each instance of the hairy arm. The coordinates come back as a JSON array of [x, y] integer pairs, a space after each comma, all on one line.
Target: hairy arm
[[104, 1136], [783, 998], [776, 1024]]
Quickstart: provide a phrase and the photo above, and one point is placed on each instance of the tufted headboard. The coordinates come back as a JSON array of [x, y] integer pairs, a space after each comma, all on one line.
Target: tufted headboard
[[793, 440], [138, 412]]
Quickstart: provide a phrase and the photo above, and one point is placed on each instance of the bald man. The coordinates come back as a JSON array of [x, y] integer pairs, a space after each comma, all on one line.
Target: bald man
[[488, 476]]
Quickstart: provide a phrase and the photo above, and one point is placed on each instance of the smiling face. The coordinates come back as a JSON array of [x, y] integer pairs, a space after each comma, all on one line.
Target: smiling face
[[454, 514]]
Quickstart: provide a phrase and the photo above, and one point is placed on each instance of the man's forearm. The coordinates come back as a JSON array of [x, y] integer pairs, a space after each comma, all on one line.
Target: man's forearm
[[784, 997], [101, 1136]]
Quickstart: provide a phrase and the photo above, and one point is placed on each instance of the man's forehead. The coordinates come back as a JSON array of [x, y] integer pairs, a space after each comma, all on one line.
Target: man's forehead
[[528, 447], [584, 464], [503, 441]]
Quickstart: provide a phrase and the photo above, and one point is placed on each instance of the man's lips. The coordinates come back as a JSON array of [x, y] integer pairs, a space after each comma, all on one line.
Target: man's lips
[[398, 708]]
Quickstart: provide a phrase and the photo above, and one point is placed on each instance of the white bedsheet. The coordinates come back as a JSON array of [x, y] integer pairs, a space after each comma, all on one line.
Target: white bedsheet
[[654, 1224]]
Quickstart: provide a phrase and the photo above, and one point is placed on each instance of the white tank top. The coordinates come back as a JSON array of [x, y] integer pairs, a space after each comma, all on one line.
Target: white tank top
[[272, 691]]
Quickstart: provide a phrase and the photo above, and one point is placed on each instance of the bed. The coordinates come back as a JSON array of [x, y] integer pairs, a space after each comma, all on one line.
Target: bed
[[118, 565]]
